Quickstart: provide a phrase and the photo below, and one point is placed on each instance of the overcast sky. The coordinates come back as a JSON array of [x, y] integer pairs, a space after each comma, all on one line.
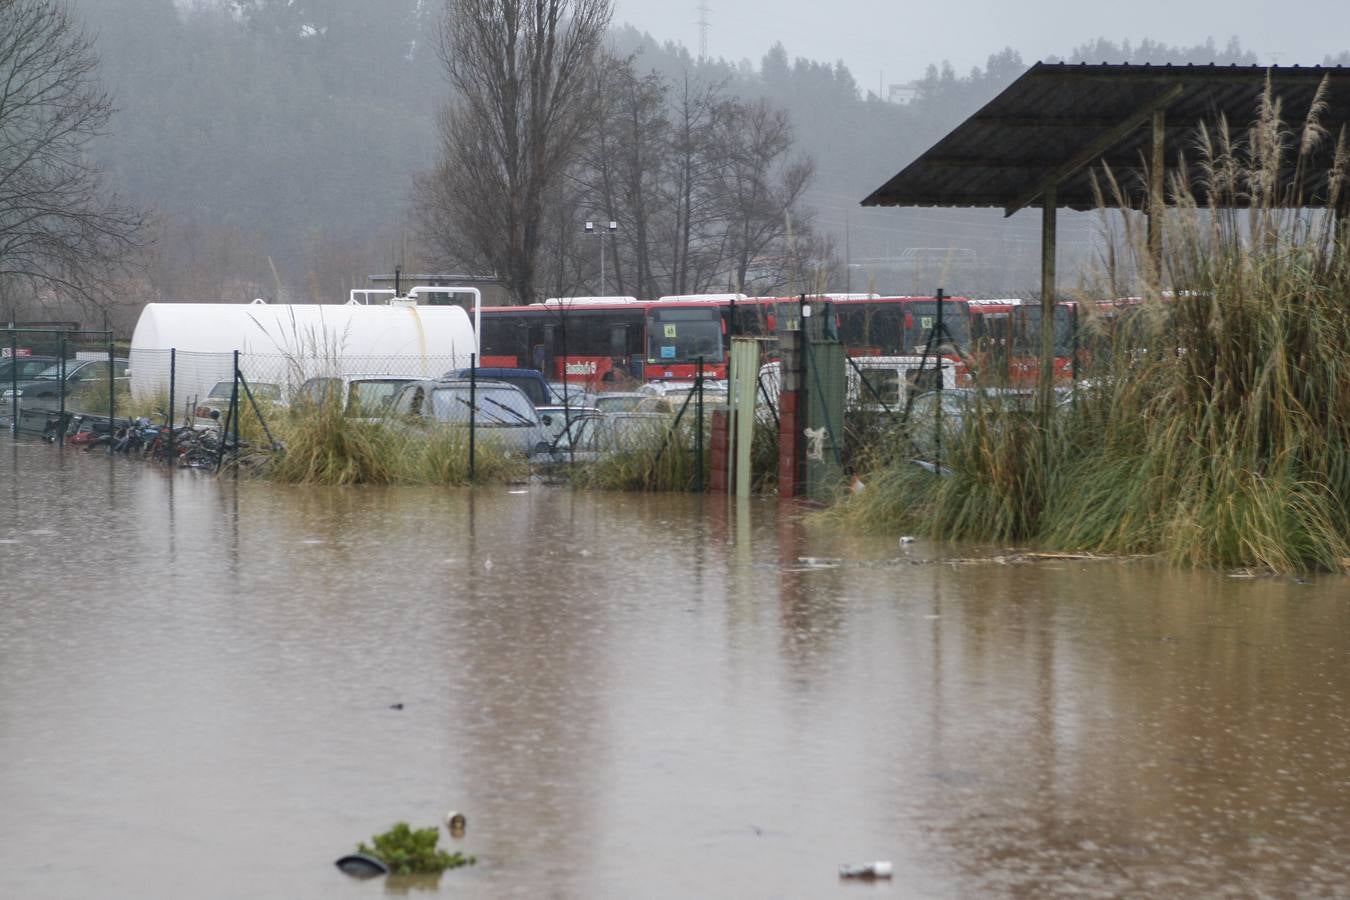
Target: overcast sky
[[877, 38]]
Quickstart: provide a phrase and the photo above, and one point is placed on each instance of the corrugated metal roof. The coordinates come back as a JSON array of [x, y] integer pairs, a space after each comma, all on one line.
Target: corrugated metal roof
[[1046, 118]]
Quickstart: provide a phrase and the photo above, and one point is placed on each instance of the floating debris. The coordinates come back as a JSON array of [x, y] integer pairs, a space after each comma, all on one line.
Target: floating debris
[[879, 869], [362, 865]]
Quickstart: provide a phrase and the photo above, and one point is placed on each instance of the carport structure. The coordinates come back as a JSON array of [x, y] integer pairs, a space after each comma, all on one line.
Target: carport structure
[[1036, 145]]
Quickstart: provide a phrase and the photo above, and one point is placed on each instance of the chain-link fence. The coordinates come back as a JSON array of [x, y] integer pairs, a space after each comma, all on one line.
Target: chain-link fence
[[345, 418], [53, 380]]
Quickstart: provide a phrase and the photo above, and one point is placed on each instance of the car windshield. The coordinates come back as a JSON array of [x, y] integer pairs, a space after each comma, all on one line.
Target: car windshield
[[54, 370], [491, 406], [22, 369], [372, 396], [618, 402], [221, 391]]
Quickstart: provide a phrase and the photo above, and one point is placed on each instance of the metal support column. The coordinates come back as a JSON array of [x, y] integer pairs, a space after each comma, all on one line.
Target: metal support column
[[1047, 380], [1157, 197]]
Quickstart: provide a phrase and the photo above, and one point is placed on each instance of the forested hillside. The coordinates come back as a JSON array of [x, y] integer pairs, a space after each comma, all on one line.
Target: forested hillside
[[278, 141]]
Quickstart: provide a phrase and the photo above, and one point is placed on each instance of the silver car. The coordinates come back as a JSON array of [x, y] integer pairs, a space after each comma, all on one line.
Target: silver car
[[500, 413], [592, 437]]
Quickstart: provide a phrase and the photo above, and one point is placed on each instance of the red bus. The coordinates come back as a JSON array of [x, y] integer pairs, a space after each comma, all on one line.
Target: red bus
[[595, 340]]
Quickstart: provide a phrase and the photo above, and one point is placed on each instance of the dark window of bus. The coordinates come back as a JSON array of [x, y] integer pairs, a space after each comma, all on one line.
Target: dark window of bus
[[923, 319], [594, 332], [684, 335], [1029, 335], [870, 329], [500, 336]]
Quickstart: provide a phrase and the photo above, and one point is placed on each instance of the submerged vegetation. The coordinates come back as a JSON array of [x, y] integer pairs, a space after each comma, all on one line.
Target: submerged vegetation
[[1213, 422], [408, 851]]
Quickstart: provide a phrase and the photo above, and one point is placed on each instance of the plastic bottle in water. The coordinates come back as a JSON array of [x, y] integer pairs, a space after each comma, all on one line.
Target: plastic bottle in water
[[879, 869]]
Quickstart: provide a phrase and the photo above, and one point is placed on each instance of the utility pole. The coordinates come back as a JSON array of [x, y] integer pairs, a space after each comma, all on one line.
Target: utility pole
[[703, 10]]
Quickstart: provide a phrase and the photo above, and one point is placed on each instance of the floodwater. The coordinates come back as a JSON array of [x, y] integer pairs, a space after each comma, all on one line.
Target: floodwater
[[634, 696]]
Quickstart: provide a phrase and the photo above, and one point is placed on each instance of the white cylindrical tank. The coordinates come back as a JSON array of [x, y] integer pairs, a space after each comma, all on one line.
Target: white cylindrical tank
[[284, 344]]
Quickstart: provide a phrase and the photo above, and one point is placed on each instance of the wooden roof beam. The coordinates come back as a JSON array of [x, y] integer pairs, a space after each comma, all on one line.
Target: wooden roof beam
[[1097, 147]]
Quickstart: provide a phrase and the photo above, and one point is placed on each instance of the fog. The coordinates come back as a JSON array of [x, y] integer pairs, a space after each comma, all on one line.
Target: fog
[[896, 41], [278, 146]]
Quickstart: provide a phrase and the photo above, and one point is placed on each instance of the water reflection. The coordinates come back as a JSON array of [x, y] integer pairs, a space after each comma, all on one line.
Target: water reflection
[[647, 696]]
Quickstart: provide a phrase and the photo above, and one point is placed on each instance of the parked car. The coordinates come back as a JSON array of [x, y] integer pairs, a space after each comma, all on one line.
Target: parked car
[[361, 396], [593, 437], [678, 393], [48, 385], [23, 368], [555, 418], [957, 405], [217, 400], [530, 381], [632, 401], [574, 395], [501, 413]]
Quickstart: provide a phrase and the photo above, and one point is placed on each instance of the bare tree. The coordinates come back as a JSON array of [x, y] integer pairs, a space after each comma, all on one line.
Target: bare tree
[[520, 69], [621, 174], [761, 188], [57, 230]]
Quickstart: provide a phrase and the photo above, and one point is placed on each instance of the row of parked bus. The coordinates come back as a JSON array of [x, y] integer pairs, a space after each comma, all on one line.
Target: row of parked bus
[[598, 340]]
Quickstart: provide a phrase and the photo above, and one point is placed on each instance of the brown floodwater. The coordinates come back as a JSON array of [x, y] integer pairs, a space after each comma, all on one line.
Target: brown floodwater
[[636, 696]]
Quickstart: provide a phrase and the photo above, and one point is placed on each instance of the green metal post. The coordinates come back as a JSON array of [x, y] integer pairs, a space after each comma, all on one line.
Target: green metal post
[[61, 389], [234, 402], [939, 331], [173, 375], [473, 418], [14, 379], [112, 387]]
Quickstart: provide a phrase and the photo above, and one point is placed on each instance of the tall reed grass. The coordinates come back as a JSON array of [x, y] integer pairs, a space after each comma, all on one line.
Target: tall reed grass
[[322, 446], [1213, 424]]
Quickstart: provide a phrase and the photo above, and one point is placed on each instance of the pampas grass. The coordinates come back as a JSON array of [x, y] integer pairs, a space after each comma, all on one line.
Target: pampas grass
[[1213, 425]]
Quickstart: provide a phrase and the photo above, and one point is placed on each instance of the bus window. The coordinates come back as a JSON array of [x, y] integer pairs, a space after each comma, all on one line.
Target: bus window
[[684, 335]]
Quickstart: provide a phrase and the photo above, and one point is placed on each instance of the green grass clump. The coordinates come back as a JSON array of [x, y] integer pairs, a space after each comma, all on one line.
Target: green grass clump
[[1213, 423], [321, 446], [413, 852], [325, 447], [442, 457], [663, 461]]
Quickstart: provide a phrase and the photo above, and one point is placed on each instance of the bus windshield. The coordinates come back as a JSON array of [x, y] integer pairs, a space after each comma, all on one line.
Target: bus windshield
[[684, 335]]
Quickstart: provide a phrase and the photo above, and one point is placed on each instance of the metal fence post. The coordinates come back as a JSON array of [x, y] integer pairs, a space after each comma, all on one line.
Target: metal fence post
[[112, 386], [61, 389], [14, 379], [473, 410], [234, 402], [698, 433], [940, 330], [173, 375]]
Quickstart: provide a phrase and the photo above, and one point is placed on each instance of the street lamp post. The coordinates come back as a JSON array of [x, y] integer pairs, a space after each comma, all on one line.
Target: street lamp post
[[591, 229]]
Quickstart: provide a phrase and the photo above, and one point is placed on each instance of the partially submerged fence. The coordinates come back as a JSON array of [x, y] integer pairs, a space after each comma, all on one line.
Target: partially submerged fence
[[62, 383], [47, 376]]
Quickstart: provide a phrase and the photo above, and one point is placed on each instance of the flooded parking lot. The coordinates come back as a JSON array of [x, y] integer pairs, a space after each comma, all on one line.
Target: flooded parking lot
[[636, 696]]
